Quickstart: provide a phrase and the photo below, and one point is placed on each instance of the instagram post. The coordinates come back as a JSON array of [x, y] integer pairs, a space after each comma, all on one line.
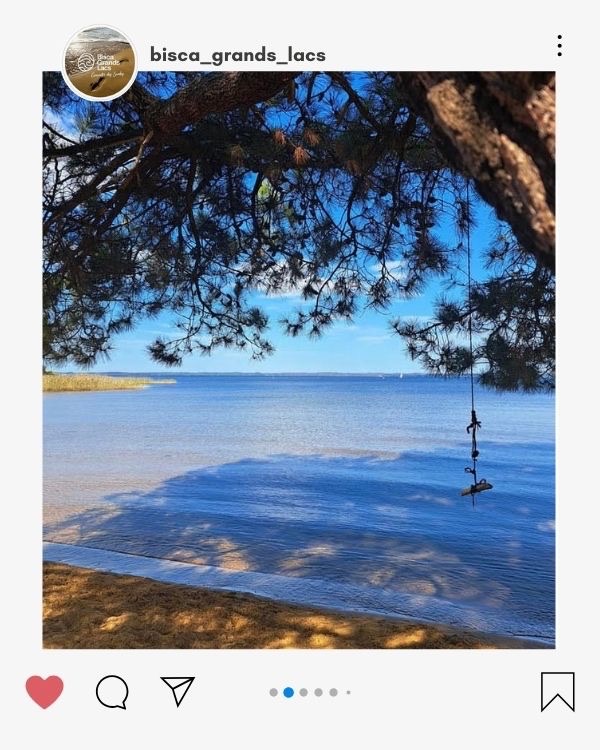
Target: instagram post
[[299, 452], [329, 208]]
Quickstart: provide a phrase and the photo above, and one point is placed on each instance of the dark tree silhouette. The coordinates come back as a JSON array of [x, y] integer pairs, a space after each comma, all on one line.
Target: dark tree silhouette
[[194, 192]]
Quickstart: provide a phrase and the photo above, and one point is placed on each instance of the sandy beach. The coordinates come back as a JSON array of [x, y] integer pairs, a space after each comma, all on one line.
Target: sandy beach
[[84, 608], [112, 75]]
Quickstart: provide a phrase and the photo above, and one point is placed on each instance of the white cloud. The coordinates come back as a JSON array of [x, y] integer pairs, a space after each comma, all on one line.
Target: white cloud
[[374, 339], [395, 267], [415, 318], [289, 293]]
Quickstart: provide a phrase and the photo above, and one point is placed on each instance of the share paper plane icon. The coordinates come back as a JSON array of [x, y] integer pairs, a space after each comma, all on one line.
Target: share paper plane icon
[[179, 686]]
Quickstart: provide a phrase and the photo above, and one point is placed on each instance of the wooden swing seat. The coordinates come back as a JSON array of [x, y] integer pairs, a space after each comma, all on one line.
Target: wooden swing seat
[[480, 486]]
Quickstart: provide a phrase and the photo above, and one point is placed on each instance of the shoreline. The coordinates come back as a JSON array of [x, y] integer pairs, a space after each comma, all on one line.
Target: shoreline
[[87, 608], [77, 382]]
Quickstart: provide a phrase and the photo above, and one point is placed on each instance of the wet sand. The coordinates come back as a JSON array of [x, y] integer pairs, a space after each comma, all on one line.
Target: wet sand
[[84, 608]]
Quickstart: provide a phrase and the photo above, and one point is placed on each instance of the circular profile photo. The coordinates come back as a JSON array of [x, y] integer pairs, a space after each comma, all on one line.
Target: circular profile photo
[[99, 63]]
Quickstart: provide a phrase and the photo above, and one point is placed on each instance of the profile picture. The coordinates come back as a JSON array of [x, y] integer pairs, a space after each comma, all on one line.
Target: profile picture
[[99, 63]]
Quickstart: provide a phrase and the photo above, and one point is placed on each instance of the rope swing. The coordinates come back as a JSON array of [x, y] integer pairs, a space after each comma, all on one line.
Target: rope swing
[[482, 484]]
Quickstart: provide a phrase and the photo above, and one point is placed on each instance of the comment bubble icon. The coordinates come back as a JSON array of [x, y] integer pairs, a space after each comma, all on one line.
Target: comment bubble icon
[[112, 691]]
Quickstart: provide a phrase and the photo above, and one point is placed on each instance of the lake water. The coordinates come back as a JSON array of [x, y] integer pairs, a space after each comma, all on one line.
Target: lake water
[[341, 491]]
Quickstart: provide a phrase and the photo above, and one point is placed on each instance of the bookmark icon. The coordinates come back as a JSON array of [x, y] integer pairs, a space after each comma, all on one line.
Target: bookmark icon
[[179, 687], [558, 685]]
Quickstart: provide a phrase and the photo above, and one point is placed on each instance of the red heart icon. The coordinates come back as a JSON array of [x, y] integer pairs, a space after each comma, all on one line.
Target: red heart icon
[[44, 692]]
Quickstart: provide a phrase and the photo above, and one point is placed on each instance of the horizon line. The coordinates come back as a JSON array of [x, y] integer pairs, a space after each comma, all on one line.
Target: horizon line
[[174, 373]]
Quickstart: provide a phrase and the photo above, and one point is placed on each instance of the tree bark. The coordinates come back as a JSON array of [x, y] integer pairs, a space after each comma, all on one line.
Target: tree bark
[[213, 93], [499, 129]]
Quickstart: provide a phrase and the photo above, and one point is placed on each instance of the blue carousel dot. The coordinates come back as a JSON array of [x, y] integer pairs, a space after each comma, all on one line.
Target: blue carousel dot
[[288, 692]]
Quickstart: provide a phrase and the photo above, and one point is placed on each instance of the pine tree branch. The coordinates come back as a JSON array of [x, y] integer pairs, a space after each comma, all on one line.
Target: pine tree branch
[[214, 93], [342, 82], [94, 144]]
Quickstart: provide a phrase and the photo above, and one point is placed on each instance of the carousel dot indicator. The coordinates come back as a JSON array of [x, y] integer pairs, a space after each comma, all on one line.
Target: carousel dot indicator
[[288, 692]]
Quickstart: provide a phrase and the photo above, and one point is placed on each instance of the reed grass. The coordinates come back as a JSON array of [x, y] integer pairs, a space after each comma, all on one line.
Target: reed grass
[[54, 382]]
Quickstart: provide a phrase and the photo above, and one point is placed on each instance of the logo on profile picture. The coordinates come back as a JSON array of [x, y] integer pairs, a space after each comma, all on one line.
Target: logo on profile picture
[[85, 62], [99, 63]]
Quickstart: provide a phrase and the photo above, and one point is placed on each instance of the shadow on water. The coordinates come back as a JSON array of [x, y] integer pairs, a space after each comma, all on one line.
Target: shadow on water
[[342, 520]]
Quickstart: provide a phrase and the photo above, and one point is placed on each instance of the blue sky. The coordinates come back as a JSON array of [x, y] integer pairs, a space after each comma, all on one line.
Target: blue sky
[[365, 345]]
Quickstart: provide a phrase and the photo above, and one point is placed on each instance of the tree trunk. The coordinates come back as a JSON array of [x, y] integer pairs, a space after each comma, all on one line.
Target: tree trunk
[[498, 128]]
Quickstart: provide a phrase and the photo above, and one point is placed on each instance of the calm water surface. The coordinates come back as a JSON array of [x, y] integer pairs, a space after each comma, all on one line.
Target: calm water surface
[[338, 490]]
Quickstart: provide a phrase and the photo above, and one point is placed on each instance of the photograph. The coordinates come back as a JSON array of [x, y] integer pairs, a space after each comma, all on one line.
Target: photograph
[[298, 358]]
